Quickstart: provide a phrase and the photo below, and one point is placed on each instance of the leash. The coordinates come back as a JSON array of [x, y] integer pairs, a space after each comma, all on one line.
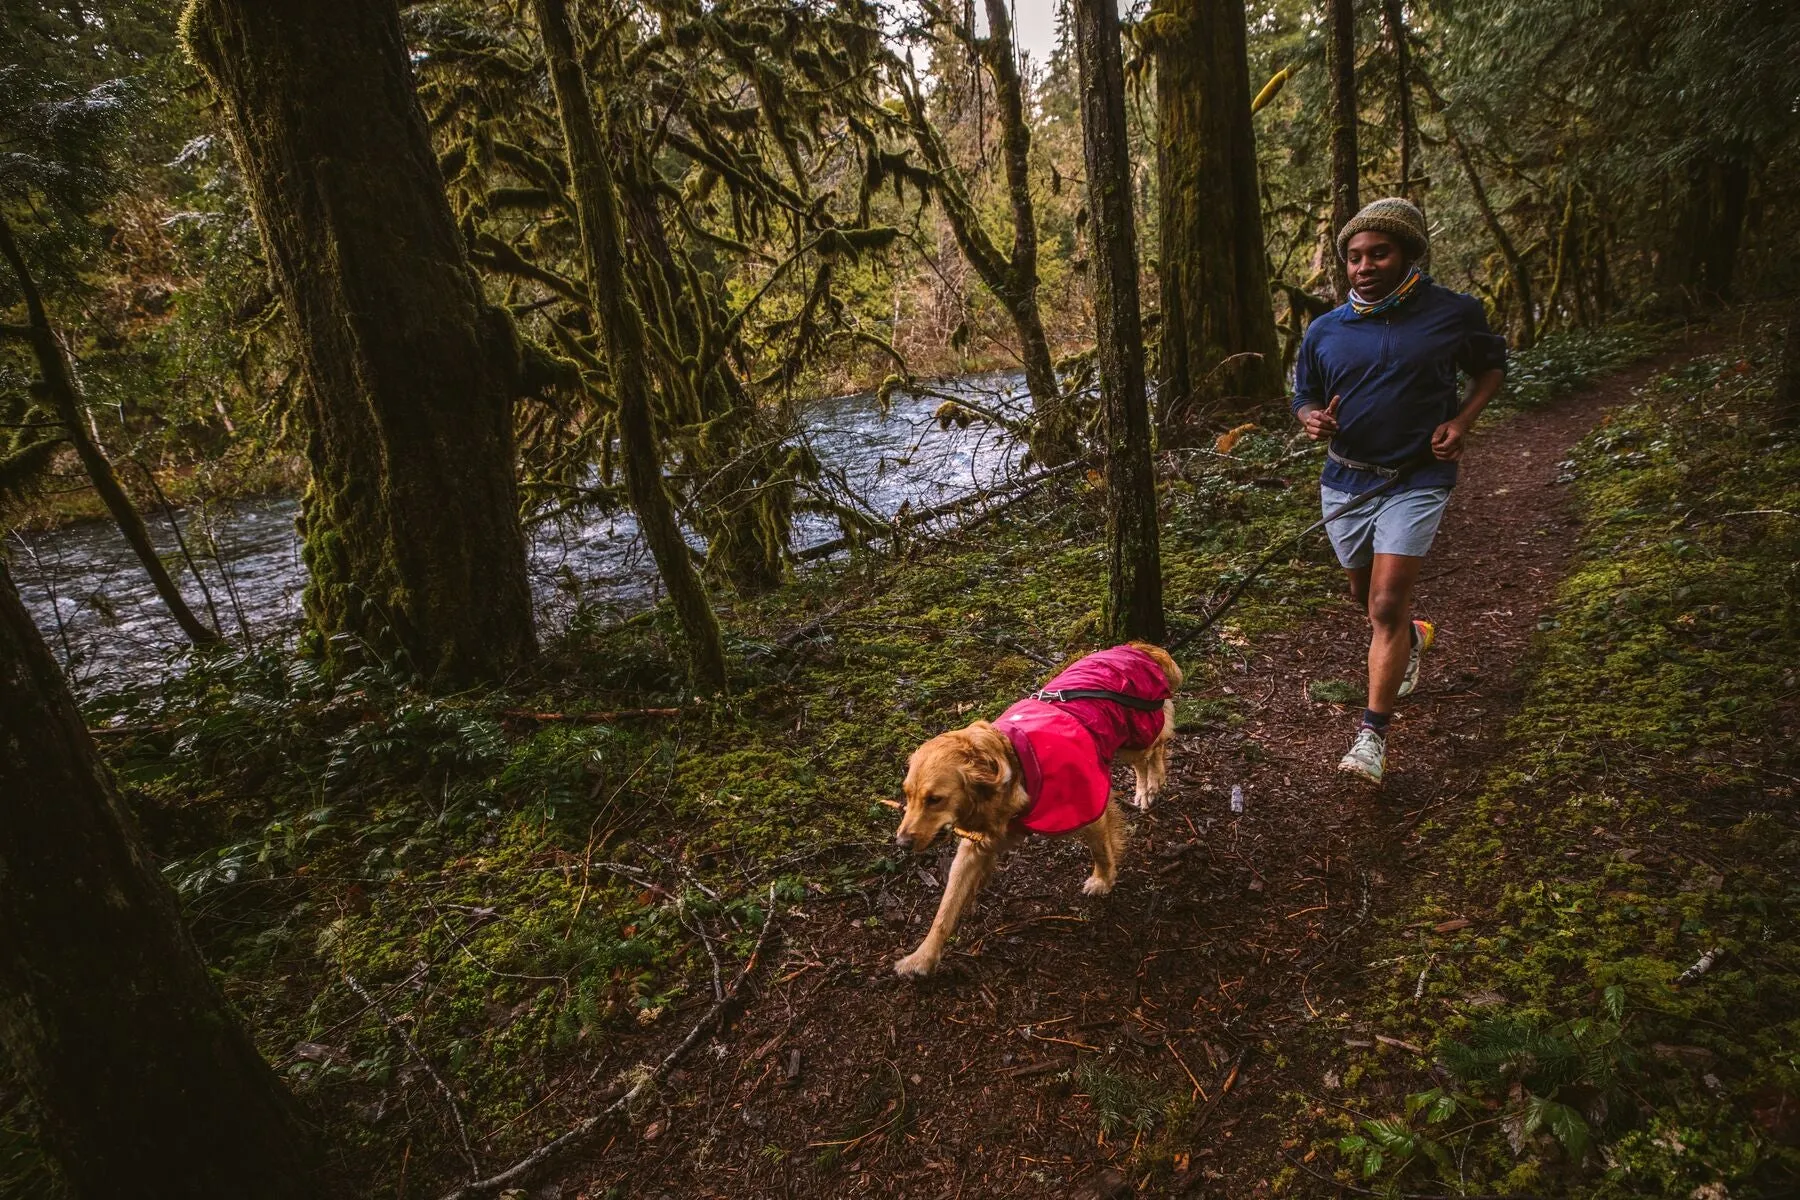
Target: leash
[[1064, 695], [1391, 480]]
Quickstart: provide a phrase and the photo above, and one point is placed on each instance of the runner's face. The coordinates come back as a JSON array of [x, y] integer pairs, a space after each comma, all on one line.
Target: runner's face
[[1376, 264]]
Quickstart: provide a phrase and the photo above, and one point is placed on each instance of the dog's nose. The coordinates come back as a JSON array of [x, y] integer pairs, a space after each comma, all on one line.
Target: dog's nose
[[903, 840]]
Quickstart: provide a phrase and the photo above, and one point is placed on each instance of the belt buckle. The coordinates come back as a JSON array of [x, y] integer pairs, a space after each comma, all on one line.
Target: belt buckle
[[1049, 697]]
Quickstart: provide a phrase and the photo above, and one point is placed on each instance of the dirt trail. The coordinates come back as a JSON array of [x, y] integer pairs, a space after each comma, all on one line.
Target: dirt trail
[[1225, 933]]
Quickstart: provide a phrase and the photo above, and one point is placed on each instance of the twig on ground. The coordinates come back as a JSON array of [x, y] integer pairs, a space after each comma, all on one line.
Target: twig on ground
[[543, 1155], [1038, 1068], [412, 1047], [588, 718], [1701, 966], [1419, 988], [698, 929], [814, 626], [1231, 1078], [1199, 1092]]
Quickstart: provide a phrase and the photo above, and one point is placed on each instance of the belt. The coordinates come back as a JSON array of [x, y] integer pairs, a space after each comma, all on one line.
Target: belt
[[1384, 472]]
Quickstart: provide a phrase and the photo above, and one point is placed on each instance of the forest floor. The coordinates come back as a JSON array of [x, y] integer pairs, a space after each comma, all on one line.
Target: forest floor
[[1197, 979], [542, 888]]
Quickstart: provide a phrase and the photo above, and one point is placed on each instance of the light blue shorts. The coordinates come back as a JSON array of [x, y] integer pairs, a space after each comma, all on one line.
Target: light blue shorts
[[1397, 523]]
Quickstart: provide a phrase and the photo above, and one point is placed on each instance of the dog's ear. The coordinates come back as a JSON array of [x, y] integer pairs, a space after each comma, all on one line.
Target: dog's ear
[[984, 762]]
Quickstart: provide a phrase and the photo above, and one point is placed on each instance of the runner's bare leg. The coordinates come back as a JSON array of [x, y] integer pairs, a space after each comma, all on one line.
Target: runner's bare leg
[[1389, 582]]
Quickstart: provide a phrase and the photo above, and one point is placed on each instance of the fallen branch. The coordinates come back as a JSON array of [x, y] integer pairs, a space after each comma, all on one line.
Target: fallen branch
[[589, 718], [130, 730], [387, 1018], [1701, 966], [549, 1151], [814, 626], [1231, 1078], [1038, 1068], [1008, 496]]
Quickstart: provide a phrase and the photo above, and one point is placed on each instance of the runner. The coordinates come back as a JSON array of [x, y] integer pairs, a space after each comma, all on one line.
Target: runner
[[1377, 376]]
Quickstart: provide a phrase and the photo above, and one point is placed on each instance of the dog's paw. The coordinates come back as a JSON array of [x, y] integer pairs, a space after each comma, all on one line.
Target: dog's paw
[[1096, 886], [916, 965], [1143, 800]]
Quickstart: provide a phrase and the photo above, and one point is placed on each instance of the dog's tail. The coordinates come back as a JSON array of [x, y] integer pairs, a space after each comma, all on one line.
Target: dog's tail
[[1162, 658]]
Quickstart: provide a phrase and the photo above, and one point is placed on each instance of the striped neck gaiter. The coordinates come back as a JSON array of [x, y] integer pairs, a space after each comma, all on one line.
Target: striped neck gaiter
[[1405, 290]]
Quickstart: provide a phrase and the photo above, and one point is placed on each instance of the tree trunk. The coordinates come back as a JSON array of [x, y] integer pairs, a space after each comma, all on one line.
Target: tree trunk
[[147, 1082], [1394, 16], [1012, 277], [1565, 248], [1340, 57], [622, 333], [1515, 266], [1787, 384], [743, 504], [411, 522], [1134, 575], [65, 395], [1718, 256], [1213, 269], [1020, 294]]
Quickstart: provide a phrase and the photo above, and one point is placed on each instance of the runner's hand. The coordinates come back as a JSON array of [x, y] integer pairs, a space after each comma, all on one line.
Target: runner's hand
[[1321, 422], [1447, 441]]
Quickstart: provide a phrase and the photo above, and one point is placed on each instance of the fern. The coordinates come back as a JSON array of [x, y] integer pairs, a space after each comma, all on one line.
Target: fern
[[1121, 1101]]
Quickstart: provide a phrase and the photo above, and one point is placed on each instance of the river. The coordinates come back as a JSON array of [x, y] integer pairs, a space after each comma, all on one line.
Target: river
[[97, 610]]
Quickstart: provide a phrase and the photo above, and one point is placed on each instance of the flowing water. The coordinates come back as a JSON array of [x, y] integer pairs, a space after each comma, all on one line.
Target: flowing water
[[96, 608]]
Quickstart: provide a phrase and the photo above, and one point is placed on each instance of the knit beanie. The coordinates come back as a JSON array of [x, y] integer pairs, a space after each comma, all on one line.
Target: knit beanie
[[1399, 219]]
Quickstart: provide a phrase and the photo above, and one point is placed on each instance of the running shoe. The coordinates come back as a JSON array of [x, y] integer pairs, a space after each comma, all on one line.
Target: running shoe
[[1367, 758], [1423, 634]]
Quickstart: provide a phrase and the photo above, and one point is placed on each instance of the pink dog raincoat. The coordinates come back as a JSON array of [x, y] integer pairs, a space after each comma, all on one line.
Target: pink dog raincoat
[[1066, 749]]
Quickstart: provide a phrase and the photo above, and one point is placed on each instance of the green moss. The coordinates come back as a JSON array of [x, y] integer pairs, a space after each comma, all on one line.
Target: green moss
[[1639, 817], [455, 860]]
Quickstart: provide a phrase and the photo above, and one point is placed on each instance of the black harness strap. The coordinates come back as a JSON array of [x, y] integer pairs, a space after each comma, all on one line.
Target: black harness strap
[[1063, 695]]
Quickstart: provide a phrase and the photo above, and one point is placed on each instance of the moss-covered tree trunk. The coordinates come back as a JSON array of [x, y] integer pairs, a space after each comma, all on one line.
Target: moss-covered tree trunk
[[1515, 263], [1219, 349], [1393, 15], [1012, 277], [1340, 58], [411, 524], [1054, 442], [65, 396], [743, 501], [622, 333], [1134, 572], [146, 1081]]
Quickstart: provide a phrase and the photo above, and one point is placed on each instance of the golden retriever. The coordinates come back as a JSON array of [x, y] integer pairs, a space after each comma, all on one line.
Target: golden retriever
[[971, 779]]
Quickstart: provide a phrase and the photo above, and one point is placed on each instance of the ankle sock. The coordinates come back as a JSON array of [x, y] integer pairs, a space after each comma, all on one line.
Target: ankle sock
[[1376, 721]]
